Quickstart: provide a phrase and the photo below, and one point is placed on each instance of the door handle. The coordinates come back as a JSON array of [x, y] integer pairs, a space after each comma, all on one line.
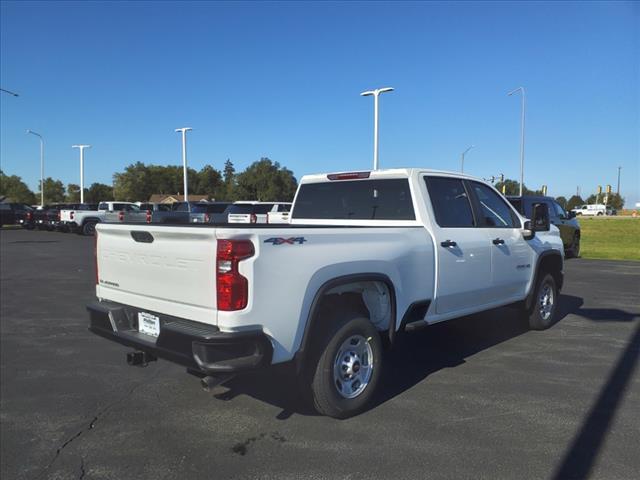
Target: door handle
[[498, 241], [448, 243]]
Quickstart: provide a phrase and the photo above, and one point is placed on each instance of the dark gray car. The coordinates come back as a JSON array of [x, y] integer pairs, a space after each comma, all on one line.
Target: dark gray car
[[565, 221]]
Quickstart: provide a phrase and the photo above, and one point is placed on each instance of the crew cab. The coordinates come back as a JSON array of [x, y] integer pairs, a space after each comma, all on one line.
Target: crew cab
[[85, 217], [566, 222], [16, 214], [366, 254]]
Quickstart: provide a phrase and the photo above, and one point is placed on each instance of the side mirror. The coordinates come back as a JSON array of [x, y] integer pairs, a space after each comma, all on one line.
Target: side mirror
[[527, 231], [571, 214], [540, 218]]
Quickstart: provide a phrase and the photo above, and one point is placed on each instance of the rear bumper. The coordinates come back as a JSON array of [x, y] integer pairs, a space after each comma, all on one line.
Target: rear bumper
[[195, 345]]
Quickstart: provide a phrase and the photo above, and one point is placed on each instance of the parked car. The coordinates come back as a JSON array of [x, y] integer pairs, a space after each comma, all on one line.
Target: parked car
[[16, 214], [366, 255], [282, 215], [591, 210], [84, 218], [143, 214], [565, 221], [254, 212]]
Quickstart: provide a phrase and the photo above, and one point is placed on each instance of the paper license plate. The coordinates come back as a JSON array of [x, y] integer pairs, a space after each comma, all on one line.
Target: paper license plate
[[148, 324]]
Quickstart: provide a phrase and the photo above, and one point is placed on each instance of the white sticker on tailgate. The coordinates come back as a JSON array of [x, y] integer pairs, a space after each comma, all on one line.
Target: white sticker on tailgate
[[149, 324]]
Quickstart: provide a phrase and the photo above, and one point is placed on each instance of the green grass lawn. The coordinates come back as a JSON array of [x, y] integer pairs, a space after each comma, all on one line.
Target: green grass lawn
[[614, 238]]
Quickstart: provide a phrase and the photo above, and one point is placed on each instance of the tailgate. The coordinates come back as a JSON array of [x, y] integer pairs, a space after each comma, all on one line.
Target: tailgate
[[239, 218], [164, 269]]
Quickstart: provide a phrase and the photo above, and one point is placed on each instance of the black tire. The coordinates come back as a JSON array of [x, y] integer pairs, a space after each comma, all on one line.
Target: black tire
[[541, 316], [324, 388], [574, 249], [88, 229], [599, 214]]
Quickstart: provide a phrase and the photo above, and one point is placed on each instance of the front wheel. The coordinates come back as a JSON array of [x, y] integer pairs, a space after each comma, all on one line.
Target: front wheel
[[348, 370], [574, 249], [543, 309]]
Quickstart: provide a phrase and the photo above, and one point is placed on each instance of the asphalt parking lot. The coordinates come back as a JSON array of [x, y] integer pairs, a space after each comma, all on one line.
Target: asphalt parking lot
[[479, 397]]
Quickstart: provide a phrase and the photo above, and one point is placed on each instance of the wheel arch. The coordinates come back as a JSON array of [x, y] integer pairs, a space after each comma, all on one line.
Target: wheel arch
[[90, 219], [313, 322], [548, 262]]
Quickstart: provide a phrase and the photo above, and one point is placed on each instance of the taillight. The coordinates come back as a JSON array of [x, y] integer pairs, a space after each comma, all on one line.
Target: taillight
[[95, 255], [71, 215], [29, 216], [206, 218], [253, 218], [148, 216], [59, 215], [231, 287], [121, 216]]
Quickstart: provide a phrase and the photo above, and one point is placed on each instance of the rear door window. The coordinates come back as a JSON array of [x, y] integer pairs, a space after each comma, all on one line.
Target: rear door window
[[450, 202]]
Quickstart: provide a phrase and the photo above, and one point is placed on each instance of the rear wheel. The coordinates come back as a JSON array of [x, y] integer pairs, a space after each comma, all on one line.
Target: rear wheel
[[543, 308], [348, 370], [89, 228]]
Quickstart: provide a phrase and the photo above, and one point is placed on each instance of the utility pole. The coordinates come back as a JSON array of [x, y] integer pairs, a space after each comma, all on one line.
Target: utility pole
[[376, 93], [184, 131], [618, 189]]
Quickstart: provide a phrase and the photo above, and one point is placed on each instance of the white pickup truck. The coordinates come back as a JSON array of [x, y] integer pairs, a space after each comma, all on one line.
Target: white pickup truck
[[84, 220], [258, 212], [365, 254]]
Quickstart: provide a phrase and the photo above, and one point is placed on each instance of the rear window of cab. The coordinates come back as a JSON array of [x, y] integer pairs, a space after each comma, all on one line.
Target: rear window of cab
[[385, 199]]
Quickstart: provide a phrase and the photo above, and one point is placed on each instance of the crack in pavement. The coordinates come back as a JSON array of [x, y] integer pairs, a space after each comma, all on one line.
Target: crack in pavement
[[92, 424], [82, 470]]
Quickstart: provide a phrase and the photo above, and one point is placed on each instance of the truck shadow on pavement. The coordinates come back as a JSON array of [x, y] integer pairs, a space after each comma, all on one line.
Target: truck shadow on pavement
[[421, 353]]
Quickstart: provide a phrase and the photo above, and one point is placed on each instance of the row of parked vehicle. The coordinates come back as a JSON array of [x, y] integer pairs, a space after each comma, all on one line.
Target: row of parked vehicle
[[83, 218]]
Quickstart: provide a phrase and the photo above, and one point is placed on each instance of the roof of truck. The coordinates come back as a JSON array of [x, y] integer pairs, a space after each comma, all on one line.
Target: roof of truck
[[382, 173]]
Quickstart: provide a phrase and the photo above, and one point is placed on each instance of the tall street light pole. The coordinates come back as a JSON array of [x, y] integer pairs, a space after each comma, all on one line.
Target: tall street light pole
[[618, 189], [41, 165], [184, 131], [376, 93], [81, 147], [521, 90], [462, 158]]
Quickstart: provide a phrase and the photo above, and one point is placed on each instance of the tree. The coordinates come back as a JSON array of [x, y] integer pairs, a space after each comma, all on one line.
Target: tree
[[73, 193], [562, 201], [12, 187], [140, 181], [99, 192], [574, 202], [209, 182], [265, 180], [229, 174], [513, 188], [53, 191]]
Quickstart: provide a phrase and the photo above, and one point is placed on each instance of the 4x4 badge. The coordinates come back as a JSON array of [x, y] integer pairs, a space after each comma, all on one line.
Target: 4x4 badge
[[287, 241]]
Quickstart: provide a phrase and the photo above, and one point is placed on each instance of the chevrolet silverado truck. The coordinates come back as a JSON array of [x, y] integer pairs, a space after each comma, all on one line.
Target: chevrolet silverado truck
[[84, 218], [366, 254]]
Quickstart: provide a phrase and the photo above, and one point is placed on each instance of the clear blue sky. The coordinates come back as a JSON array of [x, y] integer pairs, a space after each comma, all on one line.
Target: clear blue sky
[[283, 80]]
